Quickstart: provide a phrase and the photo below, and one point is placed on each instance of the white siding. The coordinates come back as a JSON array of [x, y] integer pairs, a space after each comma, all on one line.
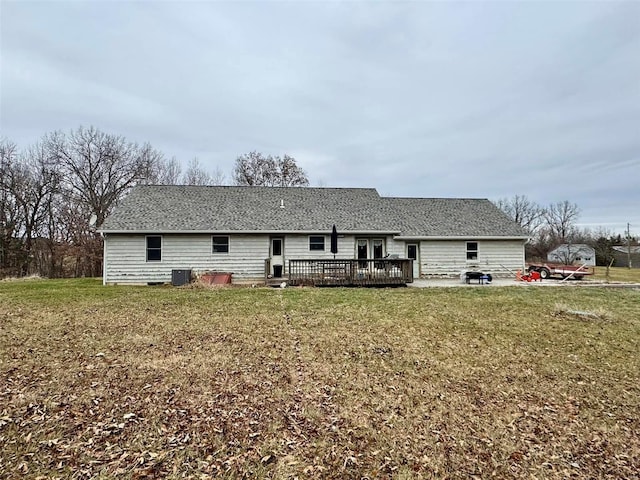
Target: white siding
[[125, 257], [398, 248], [449, 257], [296, 247]]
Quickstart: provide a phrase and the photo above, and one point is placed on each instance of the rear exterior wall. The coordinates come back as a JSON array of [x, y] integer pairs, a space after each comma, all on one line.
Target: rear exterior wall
[[125, 255], [126, 261], [501, 258]]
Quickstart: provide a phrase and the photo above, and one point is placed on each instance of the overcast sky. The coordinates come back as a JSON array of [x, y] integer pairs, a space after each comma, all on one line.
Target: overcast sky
[[426, 99]]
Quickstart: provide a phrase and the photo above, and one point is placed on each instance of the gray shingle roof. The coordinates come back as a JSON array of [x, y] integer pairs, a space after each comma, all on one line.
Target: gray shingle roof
[[171, 208], [451, 217]]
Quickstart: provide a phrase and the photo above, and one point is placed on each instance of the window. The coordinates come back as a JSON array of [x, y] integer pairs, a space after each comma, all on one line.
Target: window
[[154, 248], [276, 247], [220, 244], [362, 250], [316, 243], [472, 250], [377, 246]]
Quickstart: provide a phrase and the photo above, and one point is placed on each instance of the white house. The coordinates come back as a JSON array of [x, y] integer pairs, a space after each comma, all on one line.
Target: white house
[[244, 230], [570, 253]]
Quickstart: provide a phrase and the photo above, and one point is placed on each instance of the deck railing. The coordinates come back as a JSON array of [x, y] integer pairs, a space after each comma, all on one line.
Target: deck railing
[[351, 272]]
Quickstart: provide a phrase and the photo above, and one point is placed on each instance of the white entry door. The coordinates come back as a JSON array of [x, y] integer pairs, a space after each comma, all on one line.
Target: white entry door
[[413, 252], [277, 256]]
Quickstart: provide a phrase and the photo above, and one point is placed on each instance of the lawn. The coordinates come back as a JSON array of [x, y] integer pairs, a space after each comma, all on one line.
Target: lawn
[[617, 274], [146, 382]]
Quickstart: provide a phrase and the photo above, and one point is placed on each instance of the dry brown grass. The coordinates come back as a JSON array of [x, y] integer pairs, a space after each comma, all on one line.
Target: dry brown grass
[[335, 383], [616, 274]]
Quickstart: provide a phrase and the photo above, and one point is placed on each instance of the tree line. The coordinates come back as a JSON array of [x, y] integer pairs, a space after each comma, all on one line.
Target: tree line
[[55, 194], [556, 224]]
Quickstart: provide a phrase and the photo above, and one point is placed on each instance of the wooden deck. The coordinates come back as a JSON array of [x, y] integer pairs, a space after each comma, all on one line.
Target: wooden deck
[[349, 272]]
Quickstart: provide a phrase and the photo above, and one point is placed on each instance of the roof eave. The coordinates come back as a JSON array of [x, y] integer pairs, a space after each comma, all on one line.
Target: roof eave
[[461, 237], [246, 232]]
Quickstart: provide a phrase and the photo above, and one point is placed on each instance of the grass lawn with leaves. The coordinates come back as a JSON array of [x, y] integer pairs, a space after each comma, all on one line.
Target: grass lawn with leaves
[[146, 382]]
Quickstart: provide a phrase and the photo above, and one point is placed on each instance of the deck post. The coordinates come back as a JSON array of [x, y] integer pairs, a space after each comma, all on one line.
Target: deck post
[[267, 267]]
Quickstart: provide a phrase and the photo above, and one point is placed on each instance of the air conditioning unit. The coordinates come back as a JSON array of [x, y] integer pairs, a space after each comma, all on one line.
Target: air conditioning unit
[[180, 277]]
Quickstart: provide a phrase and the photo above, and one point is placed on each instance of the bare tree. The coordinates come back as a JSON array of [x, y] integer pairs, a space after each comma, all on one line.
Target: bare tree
[[557, 227], [49, 192], [560, 218], [254, 169], [99, 167], [32, 182], [164, 172], [289, 174], [197, 175], [541, 243], [9, 212], [169, 172], [526, 213], [217, 177]]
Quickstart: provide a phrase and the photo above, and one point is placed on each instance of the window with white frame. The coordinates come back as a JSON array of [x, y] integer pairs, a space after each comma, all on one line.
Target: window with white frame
[[472, 250], [220, 244], [316, 243], [154, 248]]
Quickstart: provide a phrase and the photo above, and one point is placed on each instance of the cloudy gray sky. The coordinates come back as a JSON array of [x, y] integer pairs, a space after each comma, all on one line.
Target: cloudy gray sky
[[429, 99]]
